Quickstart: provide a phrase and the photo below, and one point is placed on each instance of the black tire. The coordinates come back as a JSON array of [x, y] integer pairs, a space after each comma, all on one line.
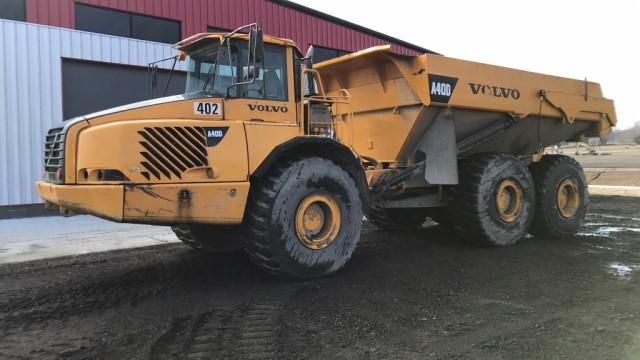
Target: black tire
[[272, 241], [548, 175], [210, 238], [396, 219], [474, 209]]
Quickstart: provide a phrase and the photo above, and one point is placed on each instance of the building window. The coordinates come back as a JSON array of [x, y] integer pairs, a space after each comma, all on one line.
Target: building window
[[120, 23], [13, 10], [322, 53], [213, 29]]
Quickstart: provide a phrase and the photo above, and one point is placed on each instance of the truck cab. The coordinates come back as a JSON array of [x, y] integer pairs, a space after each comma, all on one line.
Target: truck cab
[[186, 158]]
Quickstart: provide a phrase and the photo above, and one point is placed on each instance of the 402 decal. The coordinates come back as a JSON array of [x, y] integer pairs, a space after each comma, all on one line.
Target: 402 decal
[[207, 108]]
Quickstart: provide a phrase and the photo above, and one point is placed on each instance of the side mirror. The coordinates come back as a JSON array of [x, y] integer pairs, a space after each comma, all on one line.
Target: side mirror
[[255, 54], [249, 72], [256, 49], [310, 87], [309, 57], [259, 46]]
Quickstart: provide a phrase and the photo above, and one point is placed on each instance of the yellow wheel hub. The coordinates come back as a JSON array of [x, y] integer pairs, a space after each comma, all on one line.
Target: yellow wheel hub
[[509, 199], [317, 221], [568, 197]]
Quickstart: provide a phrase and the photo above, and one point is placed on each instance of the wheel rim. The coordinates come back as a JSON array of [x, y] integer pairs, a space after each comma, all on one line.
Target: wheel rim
[[568, 197], [509, 198], [317, 221]]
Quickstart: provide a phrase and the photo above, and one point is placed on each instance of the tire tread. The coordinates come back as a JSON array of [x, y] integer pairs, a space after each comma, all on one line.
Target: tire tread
[[466, 210], [542, 173]]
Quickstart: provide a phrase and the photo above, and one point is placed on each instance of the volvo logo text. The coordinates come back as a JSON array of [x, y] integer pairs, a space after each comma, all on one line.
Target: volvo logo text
[[495, 91], [268, 108]]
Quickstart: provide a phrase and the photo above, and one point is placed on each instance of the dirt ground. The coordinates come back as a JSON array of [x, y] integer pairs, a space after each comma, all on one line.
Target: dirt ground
[[608, 156], [615, 177], [619, 161], [403, 296]]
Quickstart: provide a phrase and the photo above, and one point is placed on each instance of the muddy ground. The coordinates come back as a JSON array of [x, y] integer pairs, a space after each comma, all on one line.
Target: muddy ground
[[403, 296]]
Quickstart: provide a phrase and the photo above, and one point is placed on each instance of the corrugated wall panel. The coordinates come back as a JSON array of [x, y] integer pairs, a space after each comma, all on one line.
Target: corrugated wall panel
[[196, 15], [31, 92], [4, 115]]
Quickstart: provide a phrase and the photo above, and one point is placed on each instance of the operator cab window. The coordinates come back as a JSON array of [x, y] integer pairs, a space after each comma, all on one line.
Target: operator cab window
[[271, 80], [271, 75]]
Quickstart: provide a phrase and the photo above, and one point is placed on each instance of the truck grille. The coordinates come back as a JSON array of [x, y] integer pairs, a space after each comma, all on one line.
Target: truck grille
[[54, 153], [172, 150]]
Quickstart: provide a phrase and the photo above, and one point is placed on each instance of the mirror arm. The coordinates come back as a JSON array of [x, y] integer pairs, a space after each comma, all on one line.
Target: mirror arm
[[175, 60]]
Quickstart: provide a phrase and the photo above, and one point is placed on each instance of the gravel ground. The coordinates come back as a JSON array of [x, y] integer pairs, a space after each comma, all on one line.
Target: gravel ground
[[420, 295]]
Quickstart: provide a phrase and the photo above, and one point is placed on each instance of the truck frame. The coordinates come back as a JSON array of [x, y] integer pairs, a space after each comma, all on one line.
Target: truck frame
[[271, 153]]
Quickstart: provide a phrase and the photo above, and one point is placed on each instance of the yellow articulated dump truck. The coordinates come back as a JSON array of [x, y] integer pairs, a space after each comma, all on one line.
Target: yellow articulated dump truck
[[271, 153]]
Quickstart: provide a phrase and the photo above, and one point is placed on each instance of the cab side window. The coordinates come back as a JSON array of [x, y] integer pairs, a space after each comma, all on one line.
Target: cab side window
[[271, 80]]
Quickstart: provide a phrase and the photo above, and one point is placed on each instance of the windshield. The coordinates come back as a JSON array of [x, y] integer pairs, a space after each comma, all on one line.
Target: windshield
[[201, 68], [204, 74]]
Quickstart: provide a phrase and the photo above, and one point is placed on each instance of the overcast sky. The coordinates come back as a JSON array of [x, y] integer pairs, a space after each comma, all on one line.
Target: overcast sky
[[599, 40]]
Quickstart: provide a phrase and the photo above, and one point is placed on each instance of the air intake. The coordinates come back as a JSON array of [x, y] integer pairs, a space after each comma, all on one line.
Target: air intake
[[53, 154], [172, 151]]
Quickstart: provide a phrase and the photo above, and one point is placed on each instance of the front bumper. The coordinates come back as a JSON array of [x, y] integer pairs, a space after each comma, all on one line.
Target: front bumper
[[212, 203]]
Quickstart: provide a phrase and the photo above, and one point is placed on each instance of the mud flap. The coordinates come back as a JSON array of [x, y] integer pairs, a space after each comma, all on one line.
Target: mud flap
[[439, 145]]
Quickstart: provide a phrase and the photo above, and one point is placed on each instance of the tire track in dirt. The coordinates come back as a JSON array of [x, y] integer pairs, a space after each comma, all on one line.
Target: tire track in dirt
[[106, 286], [60, 301], [246, 331]]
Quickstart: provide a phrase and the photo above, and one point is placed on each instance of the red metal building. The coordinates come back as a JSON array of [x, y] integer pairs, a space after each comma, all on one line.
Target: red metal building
[[90, 57], [279, 18]]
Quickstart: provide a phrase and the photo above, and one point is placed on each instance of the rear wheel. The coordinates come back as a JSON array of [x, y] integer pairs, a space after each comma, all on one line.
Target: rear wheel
[[303, 219], [210, 238], [561, 196], [493, 204]]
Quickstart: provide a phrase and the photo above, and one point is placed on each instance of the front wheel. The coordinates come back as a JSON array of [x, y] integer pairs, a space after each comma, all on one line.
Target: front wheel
[[303, 219], [210, 238]]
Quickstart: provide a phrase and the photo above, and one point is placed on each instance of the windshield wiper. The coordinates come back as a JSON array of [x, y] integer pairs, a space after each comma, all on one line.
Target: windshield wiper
[[209, 76]]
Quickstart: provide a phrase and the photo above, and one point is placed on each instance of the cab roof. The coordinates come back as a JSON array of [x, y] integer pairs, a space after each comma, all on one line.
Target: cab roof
[[189, 42]]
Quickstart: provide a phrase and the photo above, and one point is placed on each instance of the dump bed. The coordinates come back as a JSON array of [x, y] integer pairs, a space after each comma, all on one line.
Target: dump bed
[[395, 99]]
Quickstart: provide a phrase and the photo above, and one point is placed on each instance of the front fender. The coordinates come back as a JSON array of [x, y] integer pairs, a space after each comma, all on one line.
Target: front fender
[[322, 147]]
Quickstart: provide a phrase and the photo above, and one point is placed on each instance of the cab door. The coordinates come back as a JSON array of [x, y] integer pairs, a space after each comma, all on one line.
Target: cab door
[[267, 107], [269, 99]]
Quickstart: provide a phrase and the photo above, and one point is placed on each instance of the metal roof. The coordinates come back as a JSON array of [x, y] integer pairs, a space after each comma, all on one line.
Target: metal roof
[[351, 25]]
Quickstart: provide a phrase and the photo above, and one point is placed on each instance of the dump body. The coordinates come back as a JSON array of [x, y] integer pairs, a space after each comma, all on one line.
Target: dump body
[[396, 99]]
